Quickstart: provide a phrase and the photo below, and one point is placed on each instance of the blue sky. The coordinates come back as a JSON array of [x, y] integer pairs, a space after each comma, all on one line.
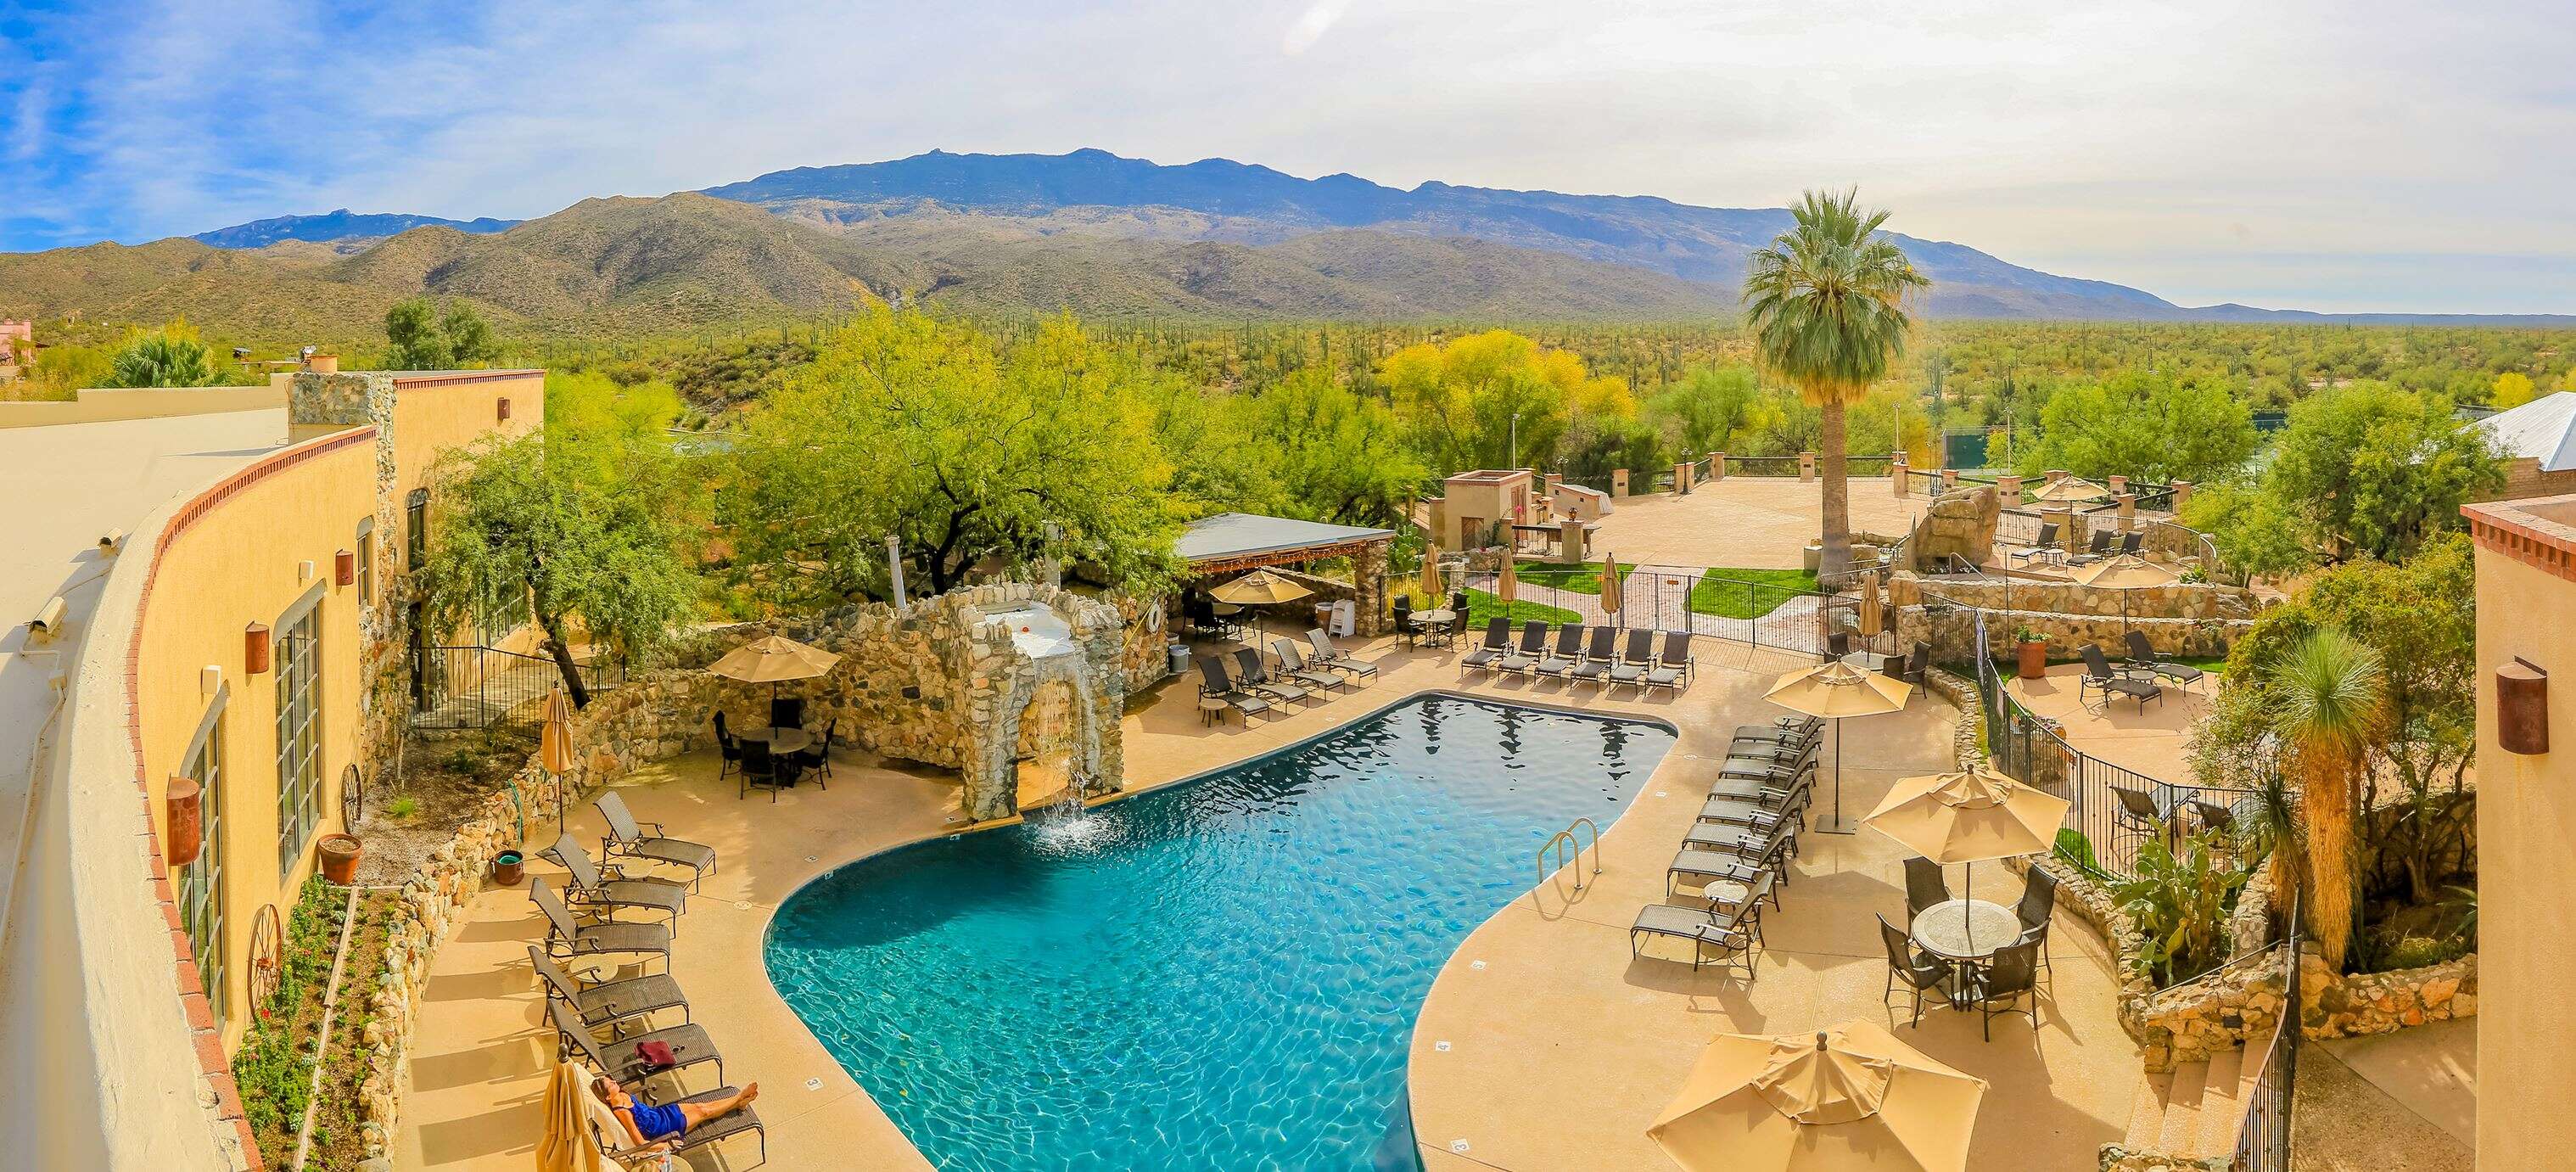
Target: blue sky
[[2350, 156]]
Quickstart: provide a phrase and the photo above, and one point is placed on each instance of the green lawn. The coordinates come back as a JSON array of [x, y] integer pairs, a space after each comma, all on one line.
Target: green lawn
[[1724, 593], [1582, 578], [1482, 607]]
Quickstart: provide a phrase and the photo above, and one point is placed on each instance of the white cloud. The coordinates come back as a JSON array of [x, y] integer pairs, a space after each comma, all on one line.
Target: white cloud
[[2205, 150]]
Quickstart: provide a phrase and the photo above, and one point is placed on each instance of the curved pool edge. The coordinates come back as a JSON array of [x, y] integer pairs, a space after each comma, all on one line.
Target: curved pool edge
[[1623, 711]]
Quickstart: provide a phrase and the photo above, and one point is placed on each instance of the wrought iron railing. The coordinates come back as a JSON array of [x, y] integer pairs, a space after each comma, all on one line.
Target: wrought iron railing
[[2263, 1139], [1762, 465], [1697, 599], [484, 687]]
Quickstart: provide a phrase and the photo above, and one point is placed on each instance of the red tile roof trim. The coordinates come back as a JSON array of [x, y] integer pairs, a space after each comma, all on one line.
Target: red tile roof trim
[[2511, 529], [206, 1040], [464, 378]]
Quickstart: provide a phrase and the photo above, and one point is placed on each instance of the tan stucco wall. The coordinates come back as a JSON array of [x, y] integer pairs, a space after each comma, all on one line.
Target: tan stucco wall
[[2526, 877], [436, 412], [1483, 502], [100, 405], [241, 561]]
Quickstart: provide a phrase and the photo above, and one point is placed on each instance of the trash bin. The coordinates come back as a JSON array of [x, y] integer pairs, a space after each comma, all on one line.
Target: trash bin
[[1178, 656]]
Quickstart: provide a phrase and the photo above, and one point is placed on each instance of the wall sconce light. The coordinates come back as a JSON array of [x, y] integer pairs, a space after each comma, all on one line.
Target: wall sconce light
[[183, 810], [2522, 708], [344, 567], [502, 409], [255, 649]]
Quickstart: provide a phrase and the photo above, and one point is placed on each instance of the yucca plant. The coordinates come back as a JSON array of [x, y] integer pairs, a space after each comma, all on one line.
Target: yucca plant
[[1825, 303], [2179, 902], [2331, 702]]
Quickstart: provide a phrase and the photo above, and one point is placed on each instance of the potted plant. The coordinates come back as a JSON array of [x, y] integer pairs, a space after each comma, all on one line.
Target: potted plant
[[2032, 647], [340, 858]]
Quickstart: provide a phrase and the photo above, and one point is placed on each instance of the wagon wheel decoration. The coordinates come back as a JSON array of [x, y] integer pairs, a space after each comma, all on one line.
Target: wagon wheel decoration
[[353, 795], [267, 943]]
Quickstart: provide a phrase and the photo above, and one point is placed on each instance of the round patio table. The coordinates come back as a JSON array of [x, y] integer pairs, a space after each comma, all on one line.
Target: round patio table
[[1434, 618], [1966, 929], [781, 741]]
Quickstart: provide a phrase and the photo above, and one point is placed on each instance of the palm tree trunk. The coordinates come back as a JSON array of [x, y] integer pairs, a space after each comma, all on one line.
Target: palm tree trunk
[[1836, 558], [2326, 792]]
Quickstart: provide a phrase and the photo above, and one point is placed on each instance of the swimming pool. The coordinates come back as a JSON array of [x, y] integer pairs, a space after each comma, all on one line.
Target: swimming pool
[[1221, 974]]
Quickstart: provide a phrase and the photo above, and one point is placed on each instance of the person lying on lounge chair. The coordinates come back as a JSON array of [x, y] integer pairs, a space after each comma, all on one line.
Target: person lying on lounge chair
[[646, 1123]]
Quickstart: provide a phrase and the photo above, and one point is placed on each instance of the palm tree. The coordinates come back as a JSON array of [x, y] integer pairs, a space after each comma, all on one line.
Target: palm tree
[[1825, 302], [2332, 702]]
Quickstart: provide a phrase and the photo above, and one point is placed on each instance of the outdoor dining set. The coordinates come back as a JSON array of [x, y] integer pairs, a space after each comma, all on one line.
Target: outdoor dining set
[[784, 752]]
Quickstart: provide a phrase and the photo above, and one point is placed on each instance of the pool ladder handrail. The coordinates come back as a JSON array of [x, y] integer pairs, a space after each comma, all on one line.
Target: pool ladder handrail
[[1573, 852]]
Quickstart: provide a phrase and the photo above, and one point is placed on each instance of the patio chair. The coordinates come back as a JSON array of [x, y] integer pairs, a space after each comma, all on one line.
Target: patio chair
[[1599, 656], [1533, 647], [722, 1127], [569, 939], [2101, 677], [1293, 665], [1924, 886], [604, 1003], [762, 768], [1635, 660], [786, 712], [2038, 903], [2143, 657], [1404, 622], [2133, 541], [2039, 545], [2214, 815], [1498, 643], [1673, 666], [1838, 644], [1997, 985], [1723, 879], [1567, 656], [1334, 657], [1457, 626], [626, 840], [1733, 934], [599, 892], [1921, 971], [617, 1059], [1215, 685], [1909, 668], [1251, 673], [728, 750], [2139, 813], [2096, 548], [816, 758]]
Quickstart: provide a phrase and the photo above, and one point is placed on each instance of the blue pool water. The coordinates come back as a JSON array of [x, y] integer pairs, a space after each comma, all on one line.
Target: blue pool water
[[1218, 975]]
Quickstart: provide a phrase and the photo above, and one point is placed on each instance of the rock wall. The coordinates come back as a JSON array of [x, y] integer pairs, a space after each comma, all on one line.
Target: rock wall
[[1958, 523], [2182, 600], [1952, 632], [2382, 1003]]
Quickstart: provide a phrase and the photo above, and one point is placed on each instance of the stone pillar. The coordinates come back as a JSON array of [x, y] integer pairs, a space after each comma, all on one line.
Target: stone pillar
[[1548, 482], [1898, 472], [2056, 474], [1368, 578], [2182, 493], [1682, 478], [1717, 465], [2070, 532], [2128, 511], [1569, 542], [1949, 479], [2118, 485], [1806, 465], [1619, 483], [2008, 486]]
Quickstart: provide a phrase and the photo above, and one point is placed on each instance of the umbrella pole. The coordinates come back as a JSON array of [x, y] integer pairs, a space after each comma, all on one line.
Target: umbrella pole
[[1836, 826]]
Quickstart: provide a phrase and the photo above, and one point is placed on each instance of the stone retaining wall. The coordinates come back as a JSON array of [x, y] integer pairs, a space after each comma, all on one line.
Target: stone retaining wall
[[2382, 1003], [1953, 635]]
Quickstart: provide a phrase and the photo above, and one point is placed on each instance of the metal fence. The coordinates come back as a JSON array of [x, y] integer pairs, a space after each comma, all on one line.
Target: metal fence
[[1762, 466], [484, 687], [1697, 599], [2263, 1139]]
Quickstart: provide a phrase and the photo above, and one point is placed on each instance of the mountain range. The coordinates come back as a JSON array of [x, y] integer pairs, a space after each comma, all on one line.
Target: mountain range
[[1088, 231]]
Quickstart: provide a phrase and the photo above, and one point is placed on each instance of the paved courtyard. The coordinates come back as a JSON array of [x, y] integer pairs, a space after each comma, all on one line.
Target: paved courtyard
[[1747, 522]]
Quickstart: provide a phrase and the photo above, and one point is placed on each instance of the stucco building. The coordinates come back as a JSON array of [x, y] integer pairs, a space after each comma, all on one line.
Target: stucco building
[[209, 586]]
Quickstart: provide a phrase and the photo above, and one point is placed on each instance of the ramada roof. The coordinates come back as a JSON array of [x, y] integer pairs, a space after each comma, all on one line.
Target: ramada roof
[[1231, 536], [2543, 429]]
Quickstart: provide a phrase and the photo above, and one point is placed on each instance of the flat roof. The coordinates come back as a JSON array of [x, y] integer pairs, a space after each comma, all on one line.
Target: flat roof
[[66, 486], [1234, 535], [1488, 474]]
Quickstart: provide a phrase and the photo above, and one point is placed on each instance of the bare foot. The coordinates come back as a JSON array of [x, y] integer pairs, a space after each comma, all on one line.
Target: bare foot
[[751, 1092]]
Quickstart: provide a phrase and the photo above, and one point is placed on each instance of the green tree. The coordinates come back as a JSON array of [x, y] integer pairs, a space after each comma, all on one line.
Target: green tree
[[1334, 455], [2510, 389], [519, 532], [425, 338], [2332, 706], [2147, 426], [964, 448], [1825, 302], [1702, 411], [1486, 400], [469, 340], [2366, 469], [172, 356]]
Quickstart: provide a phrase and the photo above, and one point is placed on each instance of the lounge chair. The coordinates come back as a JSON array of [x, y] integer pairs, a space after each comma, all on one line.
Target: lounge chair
[[569, 939], [1796, 788], [1921, 971], [1723, 879], [1733, 933], [1773, 847], [2096, 548], [2100, 676], [2143, 657], [1568, 655], [1924, 886], [1533, 647], [1216, 685], [1673, 667], [1251, 674], [593, 890], [626, 840], [617, 1058], [1293, 665], [2139, 812], [1635, 660], [602, 1003], [1761, 812], [1999, 984], [708, 1131], [1599, 656], [1329, 655], [2133, 541], [2047, 537], [1498, 643]]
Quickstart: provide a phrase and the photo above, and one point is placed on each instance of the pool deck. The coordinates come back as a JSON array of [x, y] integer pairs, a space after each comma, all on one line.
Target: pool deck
[[1562, 1048]]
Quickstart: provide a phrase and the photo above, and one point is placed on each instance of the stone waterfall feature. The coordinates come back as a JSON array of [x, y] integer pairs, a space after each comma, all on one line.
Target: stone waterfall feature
[[1017, 646]]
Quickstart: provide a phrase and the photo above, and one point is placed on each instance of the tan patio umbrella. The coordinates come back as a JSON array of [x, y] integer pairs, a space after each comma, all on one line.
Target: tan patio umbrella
[[773, 661], [554, 745], [1612, 589], [2072, 490], [1432, 587], [2125, 573], [1968, 817], [1870, 617], [1848, 1099], [1508, 587], [1834, 690], [1259, 588]]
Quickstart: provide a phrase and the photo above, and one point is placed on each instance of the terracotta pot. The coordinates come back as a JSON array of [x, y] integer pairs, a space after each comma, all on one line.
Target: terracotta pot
[[2034, 659], [323, 364], [340, 858], [508, 868]]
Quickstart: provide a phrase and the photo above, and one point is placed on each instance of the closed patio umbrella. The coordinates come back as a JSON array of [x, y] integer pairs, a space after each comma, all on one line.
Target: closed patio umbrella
[[554, 745], [1432, 587], [2125, 573], [1259, 588], [1611, 587], [1508, 587], [1849, 1099], [1834, 690], [567, 1144], [1968, 817]]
